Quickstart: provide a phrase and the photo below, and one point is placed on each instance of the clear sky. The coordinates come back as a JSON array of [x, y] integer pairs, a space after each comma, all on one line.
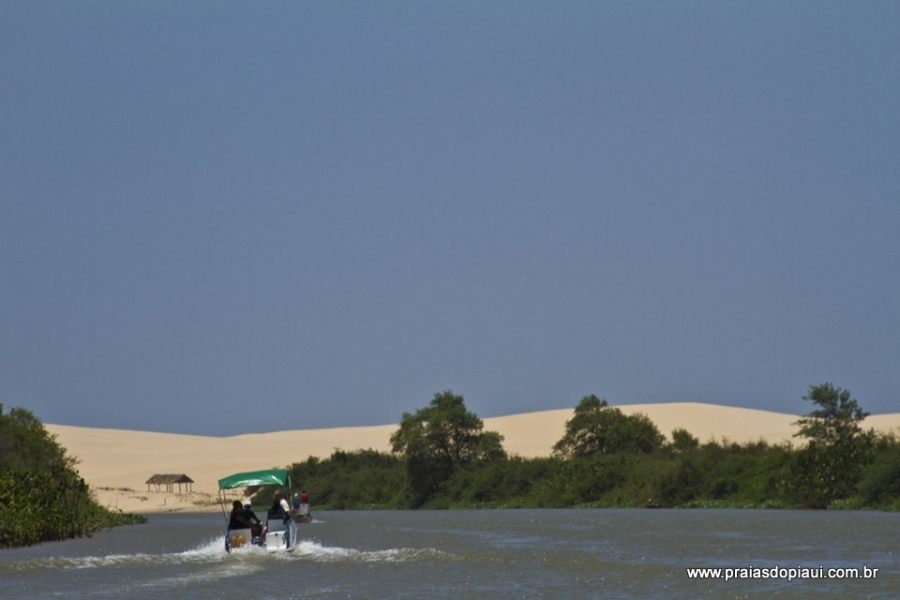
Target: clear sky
[[230, 217]]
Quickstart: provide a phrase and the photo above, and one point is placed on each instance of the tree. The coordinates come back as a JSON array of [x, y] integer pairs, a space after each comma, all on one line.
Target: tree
[[836, 421], [597, 428], [24, 443], [683, 441], [42, 495], [437, 439], [880, 485], [831, 465]]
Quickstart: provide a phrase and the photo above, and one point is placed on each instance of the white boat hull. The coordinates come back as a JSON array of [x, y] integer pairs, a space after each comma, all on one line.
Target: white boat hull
[[273, 541]]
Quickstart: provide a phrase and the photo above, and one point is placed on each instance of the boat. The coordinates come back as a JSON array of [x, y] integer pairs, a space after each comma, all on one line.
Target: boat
[[279, 533]]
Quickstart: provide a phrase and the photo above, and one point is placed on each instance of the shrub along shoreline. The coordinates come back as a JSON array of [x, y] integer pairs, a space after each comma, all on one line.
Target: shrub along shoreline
[[443, 459], [42, 496], [713, 475]]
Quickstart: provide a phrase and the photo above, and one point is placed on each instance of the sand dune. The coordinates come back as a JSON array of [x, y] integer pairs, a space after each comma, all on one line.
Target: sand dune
[[116, 463]]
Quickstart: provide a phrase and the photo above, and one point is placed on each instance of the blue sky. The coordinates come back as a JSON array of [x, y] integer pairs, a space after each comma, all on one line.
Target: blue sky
[[228, 217]]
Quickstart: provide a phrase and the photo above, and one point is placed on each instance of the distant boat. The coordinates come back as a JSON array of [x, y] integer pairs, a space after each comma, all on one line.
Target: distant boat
[[279, 534]]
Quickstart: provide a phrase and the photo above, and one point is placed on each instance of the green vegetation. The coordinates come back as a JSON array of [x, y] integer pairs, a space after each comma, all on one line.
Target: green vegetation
[[442, 458], [598, 428], [42, 497], [438, 441], [838, 452], [351, 480]]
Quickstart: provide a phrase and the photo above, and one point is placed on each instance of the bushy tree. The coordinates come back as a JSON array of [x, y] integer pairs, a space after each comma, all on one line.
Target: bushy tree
[[836, 421], [43, 498], [25, 444], [683, 441], [880, 484], [831, 465], [440, 437], [349, 480], [597, 428]]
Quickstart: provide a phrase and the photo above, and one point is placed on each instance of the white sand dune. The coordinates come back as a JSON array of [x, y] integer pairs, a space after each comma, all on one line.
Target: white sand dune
[[116, 463]]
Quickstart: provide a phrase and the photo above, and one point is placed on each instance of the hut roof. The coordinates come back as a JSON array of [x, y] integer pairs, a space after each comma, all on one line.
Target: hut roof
[[169, 478]]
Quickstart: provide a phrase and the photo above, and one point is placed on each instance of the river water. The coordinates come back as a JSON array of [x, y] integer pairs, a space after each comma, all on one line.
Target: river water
[[582, 553]]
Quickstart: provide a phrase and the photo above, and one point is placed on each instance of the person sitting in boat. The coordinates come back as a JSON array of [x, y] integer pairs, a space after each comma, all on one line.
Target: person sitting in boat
[[304, 504], [280, 508], [244, 518]]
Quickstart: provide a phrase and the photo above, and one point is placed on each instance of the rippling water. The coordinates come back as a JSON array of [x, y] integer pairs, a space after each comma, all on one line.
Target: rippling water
[[473, 554]]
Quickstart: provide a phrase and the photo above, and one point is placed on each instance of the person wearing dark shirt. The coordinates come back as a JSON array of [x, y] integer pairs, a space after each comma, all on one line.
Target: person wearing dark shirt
[[244, 518]]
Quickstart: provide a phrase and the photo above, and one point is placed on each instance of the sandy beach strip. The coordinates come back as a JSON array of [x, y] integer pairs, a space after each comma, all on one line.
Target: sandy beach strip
[[117, 463]]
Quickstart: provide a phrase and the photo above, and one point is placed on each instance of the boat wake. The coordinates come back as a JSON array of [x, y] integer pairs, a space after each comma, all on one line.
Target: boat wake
[[240, 563], [204, 568], [307, 550], [211, 551]]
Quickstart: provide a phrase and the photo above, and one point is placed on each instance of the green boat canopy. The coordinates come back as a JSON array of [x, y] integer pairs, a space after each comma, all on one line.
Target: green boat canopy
[[251, 478]]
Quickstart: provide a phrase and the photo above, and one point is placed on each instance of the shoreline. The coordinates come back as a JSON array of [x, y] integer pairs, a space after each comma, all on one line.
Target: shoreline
[[117, 463]]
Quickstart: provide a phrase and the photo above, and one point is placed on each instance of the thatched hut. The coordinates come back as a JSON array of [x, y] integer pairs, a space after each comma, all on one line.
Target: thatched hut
[[170, 481]]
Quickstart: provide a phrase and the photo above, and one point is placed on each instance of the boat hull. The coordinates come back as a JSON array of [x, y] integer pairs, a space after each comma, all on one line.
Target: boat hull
[[284, 540]]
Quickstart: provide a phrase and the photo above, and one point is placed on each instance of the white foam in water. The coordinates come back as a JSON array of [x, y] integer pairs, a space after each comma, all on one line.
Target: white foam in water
[[316, 551], [211, 550], [247, 558], [213, 547]]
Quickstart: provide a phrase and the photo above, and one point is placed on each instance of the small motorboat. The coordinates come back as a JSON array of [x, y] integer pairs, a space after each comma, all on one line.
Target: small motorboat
[[279, 533]]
